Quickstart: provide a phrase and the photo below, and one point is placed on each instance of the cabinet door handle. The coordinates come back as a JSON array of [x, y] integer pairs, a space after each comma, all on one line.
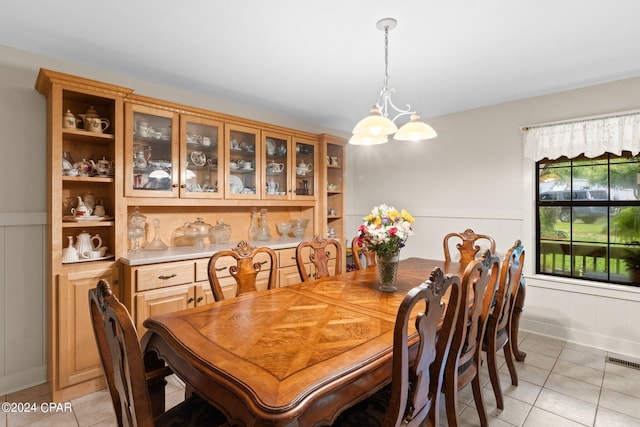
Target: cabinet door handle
[[263, 262], [221, 268], [200, 299], [190, 300], [174, 185], [183, 186], [171, 276]]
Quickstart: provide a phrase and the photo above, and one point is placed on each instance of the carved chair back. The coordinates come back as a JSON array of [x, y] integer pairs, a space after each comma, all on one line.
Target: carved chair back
[[121, 357], [317, 250], [499, 321], [415, 388], [244, 269], [467, 246], [358, 252], [478, 287]]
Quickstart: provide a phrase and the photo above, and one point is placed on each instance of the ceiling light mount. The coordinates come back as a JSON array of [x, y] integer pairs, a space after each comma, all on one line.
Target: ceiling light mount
[[377, 127]]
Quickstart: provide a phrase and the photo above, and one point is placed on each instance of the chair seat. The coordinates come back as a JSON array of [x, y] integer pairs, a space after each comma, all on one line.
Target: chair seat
[[193, 412]]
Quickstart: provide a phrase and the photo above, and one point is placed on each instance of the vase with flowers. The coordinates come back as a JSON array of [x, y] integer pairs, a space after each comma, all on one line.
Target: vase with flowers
[[384, 232]]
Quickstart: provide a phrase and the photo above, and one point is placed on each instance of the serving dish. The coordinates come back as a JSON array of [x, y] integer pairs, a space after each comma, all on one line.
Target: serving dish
[[198, 158], [235, 185]]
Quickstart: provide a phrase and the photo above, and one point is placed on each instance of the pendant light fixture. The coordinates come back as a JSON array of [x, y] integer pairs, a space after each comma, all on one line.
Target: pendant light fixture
[[377, 128]]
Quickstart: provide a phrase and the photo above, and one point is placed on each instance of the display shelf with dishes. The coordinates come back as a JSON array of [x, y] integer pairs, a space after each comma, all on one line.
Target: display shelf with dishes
[[305, 165], [151, 151], [333, 201], [277, 166], [201, 145], [242, 167]]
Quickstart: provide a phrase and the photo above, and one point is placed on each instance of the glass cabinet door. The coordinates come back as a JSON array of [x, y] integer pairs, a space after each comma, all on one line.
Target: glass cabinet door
[[151, 147], [201, 148], [242, 162], [277, 166], [305, 169]]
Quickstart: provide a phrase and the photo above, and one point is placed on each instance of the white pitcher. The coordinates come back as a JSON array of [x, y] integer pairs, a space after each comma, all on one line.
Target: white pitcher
[[85, 244]]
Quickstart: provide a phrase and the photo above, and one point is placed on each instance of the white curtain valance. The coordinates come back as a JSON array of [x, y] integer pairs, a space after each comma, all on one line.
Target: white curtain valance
[[591, 137]]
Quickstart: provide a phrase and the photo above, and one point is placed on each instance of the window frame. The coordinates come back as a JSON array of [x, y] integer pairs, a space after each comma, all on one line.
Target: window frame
[[562, 203]]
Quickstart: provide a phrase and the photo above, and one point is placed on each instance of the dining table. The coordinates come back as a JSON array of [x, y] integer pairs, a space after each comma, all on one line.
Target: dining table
[[290, 356]]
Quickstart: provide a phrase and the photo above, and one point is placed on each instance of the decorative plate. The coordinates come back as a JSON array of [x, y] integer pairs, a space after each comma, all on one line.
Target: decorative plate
[[198, 158], [235, 185]]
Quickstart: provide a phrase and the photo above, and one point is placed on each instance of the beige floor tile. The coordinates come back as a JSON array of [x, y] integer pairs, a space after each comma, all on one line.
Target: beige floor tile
[[111, 422], [532, 374], [623, 371], [541, 418], [619, 402], [515, 411], [621, 384], [566, 406], [579, 372], [40, 418], [574, 388], [525, 391], [3, 419], [608, 418], [585, 349], [538, 360], [578, 357], [543, 345], [93, 408], [470, 418]]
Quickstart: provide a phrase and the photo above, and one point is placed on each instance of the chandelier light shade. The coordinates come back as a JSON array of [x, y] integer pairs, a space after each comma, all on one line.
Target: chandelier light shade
[[415, 130], [377, 127]]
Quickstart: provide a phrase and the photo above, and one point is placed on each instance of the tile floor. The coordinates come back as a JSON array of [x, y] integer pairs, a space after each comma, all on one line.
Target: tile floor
[[561, 384]]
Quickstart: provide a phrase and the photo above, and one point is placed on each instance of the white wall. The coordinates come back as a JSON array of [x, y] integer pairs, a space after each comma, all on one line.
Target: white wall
[[474, 176]]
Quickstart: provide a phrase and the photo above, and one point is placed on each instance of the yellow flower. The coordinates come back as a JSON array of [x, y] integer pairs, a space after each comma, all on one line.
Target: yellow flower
[[393, 215], [377, 222], [407, 216]]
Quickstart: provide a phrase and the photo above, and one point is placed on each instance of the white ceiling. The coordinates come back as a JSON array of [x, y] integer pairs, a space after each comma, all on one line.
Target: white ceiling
[[323, 61]]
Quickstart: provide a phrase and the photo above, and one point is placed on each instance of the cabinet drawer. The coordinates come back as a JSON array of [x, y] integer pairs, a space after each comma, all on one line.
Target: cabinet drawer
[[163, 275], [287, 257], [202, 270]]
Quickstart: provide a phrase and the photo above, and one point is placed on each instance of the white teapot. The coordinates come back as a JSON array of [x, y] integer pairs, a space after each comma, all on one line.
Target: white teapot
[[85, 244], [272, 186], [303, 168]]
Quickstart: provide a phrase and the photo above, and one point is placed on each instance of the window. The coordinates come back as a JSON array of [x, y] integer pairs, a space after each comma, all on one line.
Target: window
[[588, 218]]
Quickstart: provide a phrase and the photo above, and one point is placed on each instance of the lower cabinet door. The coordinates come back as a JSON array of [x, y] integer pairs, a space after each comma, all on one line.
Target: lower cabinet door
[[159, 301], [76, 350]]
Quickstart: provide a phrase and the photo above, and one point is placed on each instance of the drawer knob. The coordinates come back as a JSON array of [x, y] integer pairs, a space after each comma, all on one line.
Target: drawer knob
[[190, 300], [221, 268], [171, 276], [200, 299]]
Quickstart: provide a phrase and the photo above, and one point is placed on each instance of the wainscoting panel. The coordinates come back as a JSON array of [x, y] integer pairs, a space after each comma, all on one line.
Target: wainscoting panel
[[23, 338]]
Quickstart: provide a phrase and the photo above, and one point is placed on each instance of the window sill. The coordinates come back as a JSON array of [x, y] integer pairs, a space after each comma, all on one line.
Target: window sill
[[586, 287]]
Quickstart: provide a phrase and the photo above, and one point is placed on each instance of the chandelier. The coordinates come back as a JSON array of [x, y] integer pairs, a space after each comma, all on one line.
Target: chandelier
[[377, 127]]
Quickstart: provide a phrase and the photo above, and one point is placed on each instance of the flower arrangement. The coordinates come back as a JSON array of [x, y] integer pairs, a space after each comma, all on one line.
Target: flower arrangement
[[385, 230]]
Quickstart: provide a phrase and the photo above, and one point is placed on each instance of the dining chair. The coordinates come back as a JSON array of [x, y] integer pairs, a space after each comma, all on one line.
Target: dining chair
[[244, 268], [412, 398], [467, 245], [131, 381], [359, 252], [499, 321], [463, 364], [317, 251]]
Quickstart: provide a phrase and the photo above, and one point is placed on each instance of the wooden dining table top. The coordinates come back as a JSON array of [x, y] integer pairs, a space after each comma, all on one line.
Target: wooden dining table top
[[290, 356]]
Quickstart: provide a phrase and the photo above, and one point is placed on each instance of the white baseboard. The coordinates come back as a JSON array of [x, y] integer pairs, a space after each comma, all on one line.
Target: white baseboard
[[590, 339]]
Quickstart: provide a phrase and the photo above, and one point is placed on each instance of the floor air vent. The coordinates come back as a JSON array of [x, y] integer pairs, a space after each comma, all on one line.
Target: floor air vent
[[622, 362]]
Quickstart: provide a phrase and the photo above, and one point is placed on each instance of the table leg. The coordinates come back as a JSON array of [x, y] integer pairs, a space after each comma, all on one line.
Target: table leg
[[518, 308]]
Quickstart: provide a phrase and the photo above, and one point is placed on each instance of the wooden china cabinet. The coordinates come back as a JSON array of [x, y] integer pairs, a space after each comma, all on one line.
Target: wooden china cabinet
[[73, 366], [173, 164]]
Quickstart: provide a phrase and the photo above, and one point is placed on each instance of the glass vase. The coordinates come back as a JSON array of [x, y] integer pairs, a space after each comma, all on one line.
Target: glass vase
[[387, 271]]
